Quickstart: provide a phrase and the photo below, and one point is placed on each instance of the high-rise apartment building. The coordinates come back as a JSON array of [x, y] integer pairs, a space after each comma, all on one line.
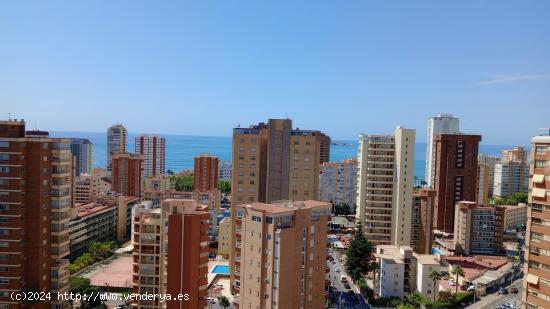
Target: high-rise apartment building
[[536, 293], [443, 123], [280, 255], [455, 175], [82, 150], [491, 161], [478, 228], [224, 170], [483, 183], [273, 162], [511, 173], [187, 252], [35, 198], [171, 253], [149, 270], [324, 153], [152, 149], [117, 142], [127, 174], [422, 231], [206, 173], [338, 182], [385, 183]]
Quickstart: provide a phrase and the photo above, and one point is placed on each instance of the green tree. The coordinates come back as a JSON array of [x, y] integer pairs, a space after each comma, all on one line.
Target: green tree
[[183, 183], [457, 271], [224, 302], [224, 186], [78, 285], [435, 276], [416, 299], [358, 255]]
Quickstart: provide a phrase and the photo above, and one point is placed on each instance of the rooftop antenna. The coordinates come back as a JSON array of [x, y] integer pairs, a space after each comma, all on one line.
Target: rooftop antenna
[[238, 124], [545, 129], [9, 115], [286, 115]]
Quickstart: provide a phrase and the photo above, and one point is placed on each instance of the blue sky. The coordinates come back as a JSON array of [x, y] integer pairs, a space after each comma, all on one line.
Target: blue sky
[[344, 67]]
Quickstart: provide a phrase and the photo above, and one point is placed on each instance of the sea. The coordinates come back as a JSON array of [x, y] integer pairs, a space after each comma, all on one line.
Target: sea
[[181, 149]]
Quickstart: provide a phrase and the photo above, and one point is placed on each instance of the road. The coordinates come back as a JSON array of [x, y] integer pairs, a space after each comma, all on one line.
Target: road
[[492, 301], [343, 299]]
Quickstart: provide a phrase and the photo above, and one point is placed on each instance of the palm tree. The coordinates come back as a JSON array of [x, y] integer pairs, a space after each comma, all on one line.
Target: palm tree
[[435, 276], [224, 302], [457, 271]]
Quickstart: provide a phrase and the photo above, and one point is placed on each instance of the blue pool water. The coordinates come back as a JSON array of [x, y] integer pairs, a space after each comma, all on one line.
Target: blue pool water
[[221, 269]]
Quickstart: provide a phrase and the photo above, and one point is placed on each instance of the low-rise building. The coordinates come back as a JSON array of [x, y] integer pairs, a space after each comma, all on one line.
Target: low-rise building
[[397, 270], [158, 182], [108, 218], [82, 188], [425, 264], [515, 216], [101, 183]]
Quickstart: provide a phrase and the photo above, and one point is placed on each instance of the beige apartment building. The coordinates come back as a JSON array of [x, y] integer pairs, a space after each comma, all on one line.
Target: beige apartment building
[[224, 238], [385, 183], [280, 255], [88, 187], [514, 216], [536, 286], [483, 172], [338, 182], [159, 182], [511, 173]]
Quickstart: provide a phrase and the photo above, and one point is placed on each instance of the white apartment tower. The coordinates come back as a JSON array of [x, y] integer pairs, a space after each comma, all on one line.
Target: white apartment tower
[[153, 150], [117, 141], [443, 123], [384, 185]]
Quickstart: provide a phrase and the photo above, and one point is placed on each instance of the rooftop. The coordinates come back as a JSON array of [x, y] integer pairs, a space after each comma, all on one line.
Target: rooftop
[[284, 206], [483, 262]]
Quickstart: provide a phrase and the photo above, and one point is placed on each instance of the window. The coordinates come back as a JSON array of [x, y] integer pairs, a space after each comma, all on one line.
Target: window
[[4, 232], [256, 219], [4, 244], [4, 169], [4, 144], [4, 156], [4, 281], [541, 163]]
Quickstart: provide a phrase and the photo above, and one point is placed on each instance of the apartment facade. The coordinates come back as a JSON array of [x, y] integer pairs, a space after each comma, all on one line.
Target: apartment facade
[[101, 183], [280, 255], [82, 150], [225, 170], [515, 216], [456, 173], [443, 123], [206, 173], [324, 153], [478, 229], [422, 230], [152, 149], [491, 161], [187, 252], [127, 174], [483, 183], [35, 197], [82, 188], [117, 142], [159, 182], [511, 173], [384, 185], [224, 237], [536, 286], [338, 182]]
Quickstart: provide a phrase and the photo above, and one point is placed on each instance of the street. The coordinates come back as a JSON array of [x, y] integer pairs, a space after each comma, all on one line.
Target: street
[[492, 301], [343, 299]]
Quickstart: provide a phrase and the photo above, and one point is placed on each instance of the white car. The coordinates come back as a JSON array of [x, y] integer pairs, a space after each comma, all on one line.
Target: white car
[[337, 269]]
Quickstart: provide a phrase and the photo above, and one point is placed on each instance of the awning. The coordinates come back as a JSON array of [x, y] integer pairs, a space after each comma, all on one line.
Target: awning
[[533, 279], [538, 178], [539, 192]]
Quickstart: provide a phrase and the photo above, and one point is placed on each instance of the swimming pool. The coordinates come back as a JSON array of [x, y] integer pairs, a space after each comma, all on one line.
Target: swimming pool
[[221, 269]]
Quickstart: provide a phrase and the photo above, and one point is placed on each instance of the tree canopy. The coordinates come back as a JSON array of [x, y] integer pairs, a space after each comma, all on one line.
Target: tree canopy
[[358, 255]]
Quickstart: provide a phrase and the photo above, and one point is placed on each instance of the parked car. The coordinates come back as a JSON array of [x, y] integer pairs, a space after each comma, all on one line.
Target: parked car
[[503, 291], [211, 300], [347, 286], [337, 269], [513, 290], [344, 280], [471, 288]]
